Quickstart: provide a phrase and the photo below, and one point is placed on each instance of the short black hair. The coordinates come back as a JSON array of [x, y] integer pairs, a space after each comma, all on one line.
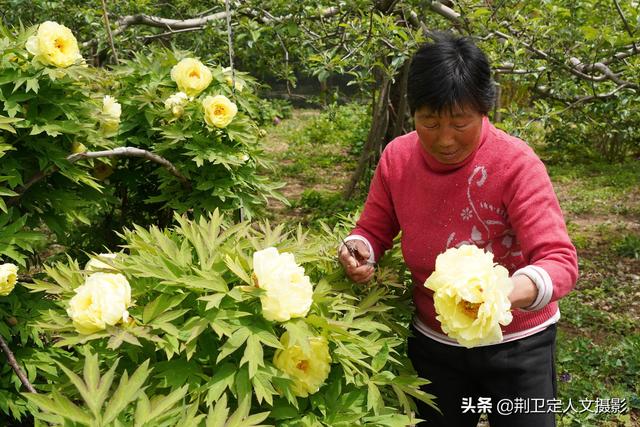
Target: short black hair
[[450, 72]]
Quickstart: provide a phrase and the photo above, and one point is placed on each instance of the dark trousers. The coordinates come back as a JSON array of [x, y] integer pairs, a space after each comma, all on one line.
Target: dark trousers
[[521, 372]]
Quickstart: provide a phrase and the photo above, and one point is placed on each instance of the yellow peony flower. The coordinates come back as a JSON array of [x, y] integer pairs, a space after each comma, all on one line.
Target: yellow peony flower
[[191, 76], [471, 295], [110, 115], [288, 291], [308, 372], [54, 44], [218, 110], [176, 103], [8, 278], [102, 300], [96, 263]]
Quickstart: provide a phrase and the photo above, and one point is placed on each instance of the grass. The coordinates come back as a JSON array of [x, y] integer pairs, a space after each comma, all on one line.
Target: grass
[[598, 188], [315, 153], [598, 340]]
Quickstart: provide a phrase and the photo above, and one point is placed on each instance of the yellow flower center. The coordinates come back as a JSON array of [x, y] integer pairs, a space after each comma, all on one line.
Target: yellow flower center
[[470, 308], [219, 110], [194, 73], [59, 44], [303, 365]]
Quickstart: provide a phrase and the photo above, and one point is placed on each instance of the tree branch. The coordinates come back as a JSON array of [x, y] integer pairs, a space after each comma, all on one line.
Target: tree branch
[[133, 152], [624, 21], [108, 27], [16, 368], [116, 152], [445, 11], [577, 100], [169, 33], [171, 24]]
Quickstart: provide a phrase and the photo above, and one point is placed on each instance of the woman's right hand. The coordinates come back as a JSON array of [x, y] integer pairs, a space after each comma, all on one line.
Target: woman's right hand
[[357, 268]]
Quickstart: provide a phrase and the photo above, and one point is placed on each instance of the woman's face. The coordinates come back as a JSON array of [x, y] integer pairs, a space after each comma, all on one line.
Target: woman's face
[[450, 138]]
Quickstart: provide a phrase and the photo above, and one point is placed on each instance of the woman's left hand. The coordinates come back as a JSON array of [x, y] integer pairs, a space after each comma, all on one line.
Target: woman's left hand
[[524, 292]]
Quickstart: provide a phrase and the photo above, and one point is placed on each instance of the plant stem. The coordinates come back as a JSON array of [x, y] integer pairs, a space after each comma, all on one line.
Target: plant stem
[[14, 364]]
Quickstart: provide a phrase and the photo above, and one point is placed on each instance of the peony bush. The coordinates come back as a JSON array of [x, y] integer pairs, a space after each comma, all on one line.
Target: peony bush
[[167, 103], [195, 337]]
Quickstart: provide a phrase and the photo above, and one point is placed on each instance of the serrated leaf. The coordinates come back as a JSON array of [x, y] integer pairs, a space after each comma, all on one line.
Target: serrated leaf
[[234, 342], [165, 403], [223, 378], [70, 410], [380, 359], [234, 265], [126, 392], [218, 415], [253, 355]]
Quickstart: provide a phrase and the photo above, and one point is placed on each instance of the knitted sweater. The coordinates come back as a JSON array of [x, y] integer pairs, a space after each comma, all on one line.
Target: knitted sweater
[[499, 198]]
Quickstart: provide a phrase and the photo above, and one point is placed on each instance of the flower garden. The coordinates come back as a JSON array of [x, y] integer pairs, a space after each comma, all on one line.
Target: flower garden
[[145, 282], [204, 320]]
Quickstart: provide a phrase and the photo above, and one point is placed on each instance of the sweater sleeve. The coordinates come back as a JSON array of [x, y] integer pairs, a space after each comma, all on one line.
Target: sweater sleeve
[[537, 220], [378, 222]]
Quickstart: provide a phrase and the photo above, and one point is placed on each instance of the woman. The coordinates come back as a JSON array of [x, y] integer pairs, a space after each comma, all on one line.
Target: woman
[[458, 180]]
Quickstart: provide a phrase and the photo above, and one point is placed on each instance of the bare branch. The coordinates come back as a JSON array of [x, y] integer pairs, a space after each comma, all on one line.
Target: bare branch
[[415, 21], [14, 365], [169, 33], [105, 15], [116, 152], [171, 24], [577, 100], [624, 21], [509, 68], [445, 11], [133, 152], [575, 66]]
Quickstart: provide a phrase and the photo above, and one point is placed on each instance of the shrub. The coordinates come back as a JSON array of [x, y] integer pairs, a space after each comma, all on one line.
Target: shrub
[[197, 333]]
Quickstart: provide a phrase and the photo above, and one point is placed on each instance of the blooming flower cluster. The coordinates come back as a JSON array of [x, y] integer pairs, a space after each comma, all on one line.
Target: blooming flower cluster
[[471, 295], [192, 77], [54, 44], [289, 294], [102, 300], [8, 278], [288, 291]]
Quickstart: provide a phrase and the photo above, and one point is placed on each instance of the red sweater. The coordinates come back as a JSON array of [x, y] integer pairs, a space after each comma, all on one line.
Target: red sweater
[[499, 198]]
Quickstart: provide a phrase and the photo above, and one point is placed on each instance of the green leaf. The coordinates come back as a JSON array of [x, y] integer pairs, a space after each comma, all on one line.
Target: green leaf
[[161, 405], [236, 340], [5, 123], [253, 355], [380, 359], [223, 378], [160, 305], [33, 85], [85, 392], [374, 398], [70, 410], [235, 266], [126, 392], [218, 415], [102, 391]]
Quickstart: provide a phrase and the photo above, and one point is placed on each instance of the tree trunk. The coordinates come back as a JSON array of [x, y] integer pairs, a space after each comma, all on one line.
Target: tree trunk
[[398, 121], [497, 114], [375, 138]]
